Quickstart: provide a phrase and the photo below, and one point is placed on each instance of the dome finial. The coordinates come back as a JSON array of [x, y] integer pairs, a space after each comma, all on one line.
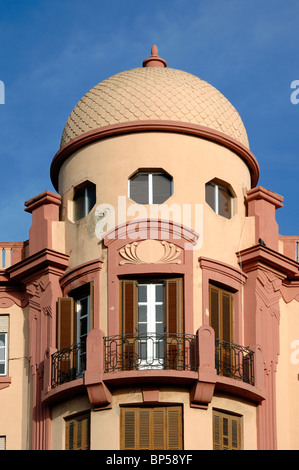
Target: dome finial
[[154, 60]]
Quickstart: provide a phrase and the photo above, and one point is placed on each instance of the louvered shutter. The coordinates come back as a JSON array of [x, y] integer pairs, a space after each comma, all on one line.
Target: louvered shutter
[[226, 431], [66, 323], [78, 433], [84, 433], [226, 316], [221, 313], [158, 428], [128, 429], [174, 299], [144, 429], [174, 428], [214, 310], [129, 291], [216, 431], [174, 320]]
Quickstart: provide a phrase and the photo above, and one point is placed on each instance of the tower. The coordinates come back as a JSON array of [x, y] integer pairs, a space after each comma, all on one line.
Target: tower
[[152, 282]]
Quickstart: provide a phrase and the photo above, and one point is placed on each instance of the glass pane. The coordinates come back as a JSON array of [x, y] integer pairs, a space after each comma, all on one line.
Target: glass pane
[[2, 340], [142, 328], [2, 369], [224, 202], [226, 308], [161, 188], [159, 328], [79, 204], [142, 313], [139, 188], [142, 293], [159, 293], [91, 196], [83, 326], [160, 313], [210, 195], [82, 306], [142, 350]]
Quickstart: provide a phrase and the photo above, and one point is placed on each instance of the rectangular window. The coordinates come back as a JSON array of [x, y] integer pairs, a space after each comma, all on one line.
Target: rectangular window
[[77, 432], [152, 312], [221, 313], [227, 429], [155, 428], [75, 320], [2, 443], [84, 200], [3, 344]]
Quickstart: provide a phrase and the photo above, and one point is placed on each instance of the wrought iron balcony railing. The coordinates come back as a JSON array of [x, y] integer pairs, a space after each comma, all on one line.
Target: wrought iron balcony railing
[[68, 364], [167, 351], [235, 361], [150, 351]]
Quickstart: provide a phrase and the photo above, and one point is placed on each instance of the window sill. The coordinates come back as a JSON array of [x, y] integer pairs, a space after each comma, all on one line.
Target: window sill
[[5, 382]]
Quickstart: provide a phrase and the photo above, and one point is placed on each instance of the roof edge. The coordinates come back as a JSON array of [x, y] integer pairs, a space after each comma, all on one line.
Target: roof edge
[[149, 126]]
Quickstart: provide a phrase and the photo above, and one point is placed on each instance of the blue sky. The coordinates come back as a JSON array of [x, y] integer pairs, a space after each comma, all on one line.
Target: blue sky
[[53, 52]]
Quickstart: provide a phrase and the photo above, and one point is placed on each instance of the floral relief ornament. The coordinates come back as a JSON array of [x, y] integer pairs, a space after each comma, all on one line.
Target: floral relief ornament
[[149, 252]]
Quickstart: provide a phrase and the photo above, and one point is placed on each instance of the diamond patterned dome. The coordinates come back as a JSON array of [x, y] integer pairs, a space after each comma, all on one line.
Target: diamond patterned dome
[[154, 93]]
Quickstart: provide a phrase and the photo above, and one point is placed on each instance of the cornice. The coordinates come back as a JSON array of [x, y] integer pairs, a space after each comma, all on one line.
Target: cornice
[[44, 261], [158, 126], [257, 256]]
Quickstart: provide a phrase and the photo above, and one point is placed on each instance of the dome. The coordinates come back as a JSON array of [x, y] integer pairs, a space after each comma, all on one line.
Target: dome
[[154, 92]]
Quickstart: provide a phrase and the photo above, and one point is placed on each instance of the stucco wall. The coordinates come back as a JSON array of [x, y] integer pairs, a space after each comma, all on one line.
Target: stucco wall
[[15, 403]]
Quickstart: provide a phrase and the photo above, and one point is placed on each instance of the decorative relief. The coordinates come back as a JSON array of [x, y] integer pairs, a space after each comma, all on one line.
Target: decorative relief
[[150, 252], [268, 289]]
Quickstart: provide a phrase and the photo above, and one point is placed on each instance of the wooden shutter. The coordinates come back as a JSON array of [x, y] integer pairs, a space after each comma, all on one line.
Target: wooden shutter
[[174, 320], [66, 323], [214, 310], [226, 431], [174, 428], [157, 428], [77, 435], [129, 321], [174, 305], [91, 303], [221, 313], [129, 301]]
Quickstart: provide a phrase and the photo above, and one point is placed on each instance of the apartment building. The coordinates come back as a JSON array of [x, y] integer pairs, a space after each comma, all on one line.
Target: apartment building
[[154, 304]]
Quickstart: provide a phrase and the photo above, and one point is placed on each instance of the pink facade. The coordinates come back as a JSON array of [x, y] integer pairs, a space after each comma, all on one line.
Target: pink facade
[[261, 276]]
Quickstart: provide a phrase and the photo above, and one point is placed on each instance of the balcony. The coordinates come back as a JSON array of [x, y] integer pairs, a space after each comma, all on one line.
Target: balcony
[[234, 361], [151, 351], [68, 364], [196, 361]]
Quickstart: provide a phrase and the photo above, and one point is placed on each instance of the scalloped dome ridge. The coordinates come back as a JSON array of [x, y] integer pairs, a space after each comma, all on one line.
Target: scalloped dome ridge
[[154, 93]]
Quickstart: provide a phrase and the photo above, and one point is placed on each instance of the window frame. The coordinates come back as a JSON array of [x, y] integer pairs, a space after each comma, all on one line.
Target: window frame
[[84, 441], [2, 442], [68, 322], [220, 185], [150, 191], [219, 434], [4, 327], [129, 324], [221, 292], [170, 324], [88, 200], [169, 429], [5, 348]]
